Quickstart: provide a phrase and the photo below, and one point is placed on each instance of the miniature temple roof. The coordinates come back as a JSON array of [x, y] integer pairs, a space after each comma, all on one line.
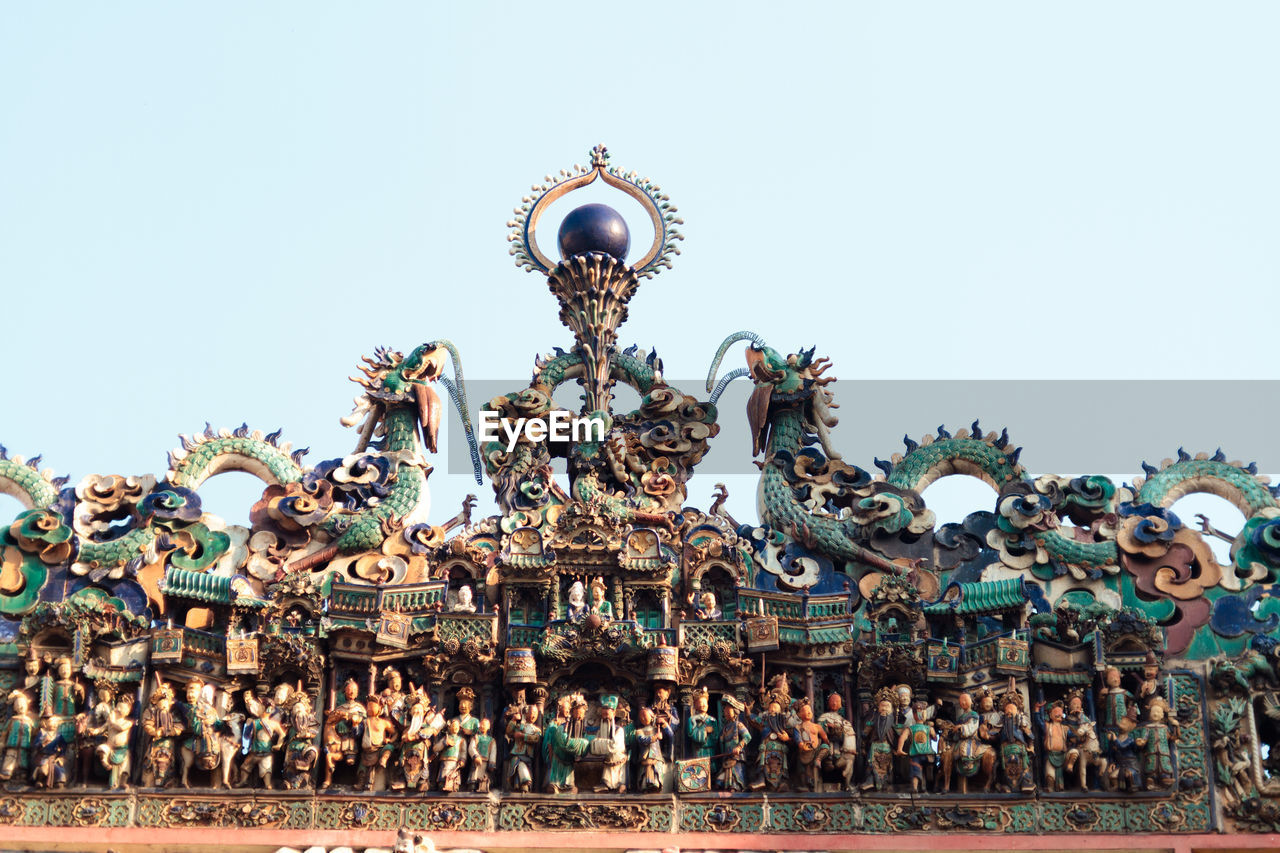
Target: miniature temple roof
[[981, 597], [198, 586]]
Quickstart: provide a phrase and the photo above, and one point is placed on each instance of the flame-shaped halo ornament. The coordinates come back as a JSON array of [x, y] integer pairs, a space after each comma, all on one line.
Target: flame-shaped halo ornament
[[662, 214]]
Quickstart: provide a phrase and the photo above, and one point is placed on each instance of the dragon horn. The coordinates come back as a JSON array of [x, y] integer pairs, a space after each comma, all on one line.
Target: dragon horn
[[736, 373], [724, 347], [458, 394]]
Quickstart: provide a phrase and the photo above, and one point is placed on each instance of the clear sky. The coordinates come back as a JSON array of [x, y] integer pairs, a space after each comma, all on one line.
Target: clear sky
[[210, 211]]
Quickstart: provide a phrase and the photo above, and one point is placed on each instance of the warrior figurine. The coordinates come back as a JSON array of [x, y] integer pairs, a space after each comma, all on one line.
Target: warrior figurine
[[775, 743], [879, 735], [734, 737], [423, 723], [163, 727], [1015, 740], [300, 752], [343, 729], [967, 750], [201, 721]]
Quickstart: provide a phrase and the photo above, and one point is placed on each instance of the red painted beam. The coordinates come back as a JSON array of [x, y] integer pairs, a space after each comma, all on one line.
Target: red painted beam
[[215, 839]]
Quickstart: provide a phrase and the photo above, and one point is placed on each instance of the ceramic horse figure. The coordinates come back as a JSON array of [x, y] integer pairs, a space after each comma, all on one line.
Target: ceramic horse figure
[[1087, 752], [966, 754], [218, 741]]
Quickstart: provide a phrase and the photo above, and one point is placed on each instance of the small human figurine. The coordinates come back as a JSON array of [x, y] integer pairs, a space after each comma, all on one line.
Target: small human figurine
[[707, 609], [1125, 772], [648, 739], [610, 743], [1057, 739], [31, 665], [916, 742], [300, 751], [772, 766], [515, 710], [262, 736], [452, 751], [812, 746], [163, 727], [49, 753], [66, 696], [843, 739], [343, 729], [423, 722], [91, 729], [523, 736], [1115, 702], [701, 730], [577, 601], [1156, 741], [1086, 750], [665, 715], [467, 723], [1150, 686], [600, 606], [565, 743], [393, 695], [1015, 740], [464, 602], [113, 752], [200, 745], [968, 752], [376, 744], [880, 736], [734, 738], [483, 752], [18, 734], [903, 705]]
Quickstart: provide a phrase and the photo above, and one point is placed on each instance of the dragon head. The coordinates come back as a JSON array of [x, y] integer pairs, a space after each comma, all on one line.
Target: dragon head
[[795, 380], [392, 378]]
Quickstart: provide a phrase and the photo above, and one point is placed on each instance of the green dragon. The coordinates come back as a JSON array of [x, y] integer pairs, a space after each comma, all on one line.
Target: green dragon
[[790, 409], [397, 404]]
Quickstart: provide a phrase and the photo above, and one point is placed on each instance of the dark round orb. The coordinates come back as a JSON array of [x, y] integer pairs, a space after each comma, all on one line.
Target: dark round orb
[[594, 228]]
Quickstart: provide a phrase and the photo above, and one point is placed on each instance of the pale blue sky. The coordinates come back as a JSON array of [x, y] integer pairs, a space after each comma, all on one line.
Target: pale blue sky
[[210, 211]]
